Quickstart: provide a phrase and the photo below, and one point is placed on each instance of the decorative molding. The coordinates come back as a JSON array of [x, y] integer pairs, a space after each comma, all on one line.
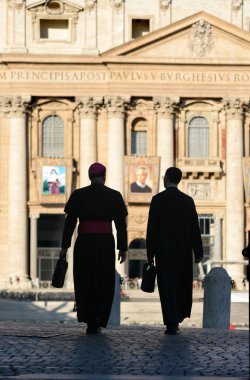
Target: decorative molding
[[88, 106], [199, 190], [201, 40], [116, 4], [13, 105], [116, 105], [165, 107], [165, 4], [90, 5], [17, 4]]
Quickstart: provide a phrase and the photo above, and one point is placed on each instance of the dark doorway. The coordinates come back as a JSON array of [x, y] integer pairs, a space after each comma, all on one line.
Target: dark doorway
[[49, 235], [137, 257]]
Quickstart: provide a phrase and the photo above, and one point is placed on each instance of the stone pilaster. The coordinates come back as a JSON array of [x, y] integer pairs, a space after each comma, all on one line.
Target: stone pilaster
[[33, 245], [88, 135], [117, 9], [90, 27], [237, 12], [165, 12], [165, 110], [17, 187], [16, 40], [234, 187]]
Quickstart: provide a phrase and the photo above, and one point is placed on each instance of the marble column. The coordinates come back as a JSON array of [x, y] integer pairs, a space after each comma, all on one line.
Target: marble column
[[165, 109], [33, 245], [234, 187], [116, 142], [17, 188], [88, 135], [116, 150]]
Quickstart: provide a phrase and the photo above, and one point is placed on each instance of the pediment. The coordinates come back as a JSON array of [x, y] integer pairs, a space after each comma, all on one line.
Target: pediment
[[201, 37], [63, 6]]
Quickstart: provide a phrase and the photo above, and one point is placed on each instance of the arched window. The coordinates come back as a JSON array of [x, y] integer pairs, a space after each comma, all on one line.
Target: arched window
[[53, 137], [139, 137], [198, 137]]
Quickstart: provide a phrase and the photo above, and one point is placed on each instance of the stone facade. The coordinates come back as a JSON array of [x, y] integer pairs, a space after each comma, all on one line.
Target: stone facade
[[76, 64]]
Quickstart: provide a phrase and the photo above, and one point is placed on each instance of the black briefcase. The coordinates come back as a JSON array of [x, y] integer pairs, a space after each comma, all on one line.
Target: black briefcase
[[59, 273], [148, 278]]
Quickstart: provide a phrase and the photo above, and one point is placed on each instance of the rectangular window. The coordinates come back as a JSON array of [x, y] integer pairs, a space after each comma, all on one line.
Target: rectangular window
[[140, 27], [139, 143], [54, 30]]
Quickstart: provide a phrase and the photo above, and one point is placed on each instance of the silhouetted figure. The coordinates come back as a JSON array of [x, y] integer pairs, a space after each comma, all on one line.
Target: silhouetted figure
[[172, 234], [95, 206], [246, 253]]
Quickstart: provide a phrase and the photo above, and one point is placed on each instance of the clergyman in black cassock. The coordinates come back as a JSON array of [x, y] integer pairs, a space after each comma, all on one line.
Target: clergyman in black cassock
[[95, 206], [173, 234]]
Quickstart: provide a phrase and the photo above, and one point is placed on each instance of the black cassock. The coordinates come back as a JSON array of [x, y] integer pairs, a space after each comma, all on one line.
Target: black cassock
[[172, 235], [94, 253]]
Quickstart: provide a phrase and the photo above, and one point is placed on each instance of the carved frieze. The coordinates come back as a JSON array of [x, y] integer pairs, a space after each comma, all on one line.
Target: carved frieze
[[201, 40], [199, 190]]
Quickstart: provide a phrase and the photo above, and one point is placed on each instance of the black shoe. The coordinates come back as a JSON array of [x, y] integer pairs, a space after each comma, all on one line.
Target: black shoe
[[171, 331], [93, 330]]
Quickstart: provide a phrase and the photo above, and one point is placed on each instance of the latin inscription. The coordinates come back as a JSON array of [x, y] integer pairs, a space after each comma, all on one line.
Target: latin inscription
[[132, 76]]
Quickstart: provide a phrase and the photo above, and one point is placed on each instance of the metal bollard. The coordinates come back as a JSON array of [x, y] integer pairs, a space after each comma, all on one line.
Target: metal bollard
[[115, 315], [217, 299]]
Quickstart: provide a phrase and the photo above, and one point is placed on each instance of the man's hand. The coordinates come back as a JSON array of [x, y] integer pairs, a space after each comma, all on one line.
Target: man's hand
[[62, 254], [122, 256]]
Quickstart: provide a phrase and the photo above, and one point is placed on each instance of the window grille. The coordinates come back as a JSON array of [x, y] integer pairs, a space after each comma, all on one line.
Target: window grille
[[198, 138], [139, 143], [53, 137]]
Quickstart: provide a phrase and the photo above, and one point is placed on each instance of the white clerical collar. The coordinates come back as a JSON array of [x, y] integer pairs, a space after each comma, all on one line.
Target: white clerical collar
[[141, 185], [171, 186]]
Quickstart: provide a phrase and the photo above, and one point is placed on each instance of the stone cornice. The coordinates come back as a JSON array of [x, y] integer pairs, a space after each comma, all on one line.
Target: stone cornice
[[115, 105], [165, 107], [13, 106], [88, 106]]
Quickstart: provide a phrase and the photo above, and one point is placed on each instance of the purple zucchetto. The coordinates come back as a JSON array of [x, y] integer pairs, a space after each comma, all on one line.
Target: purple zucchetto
[[96, 170]]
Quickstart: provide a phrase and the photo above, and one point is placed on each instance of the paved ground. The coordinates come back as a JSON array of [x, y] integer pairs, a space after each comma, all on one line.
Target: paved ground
[[44, 341], [52, 350]]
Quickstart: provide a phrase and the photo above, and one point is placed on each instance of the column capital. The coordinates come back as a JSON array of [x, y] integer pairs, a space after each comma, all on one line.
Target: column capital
[[234, 107], [165, 107], [17, 4], [116, 4], [13, 105], [34, 215], [116, 105], [88, 106], [90, 5]]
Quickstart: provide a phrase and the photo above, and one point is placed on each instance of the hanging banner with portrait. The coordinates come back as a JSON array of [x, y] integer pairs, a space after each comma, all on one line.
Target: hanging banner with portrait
[[141, 178], [54, 180]]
